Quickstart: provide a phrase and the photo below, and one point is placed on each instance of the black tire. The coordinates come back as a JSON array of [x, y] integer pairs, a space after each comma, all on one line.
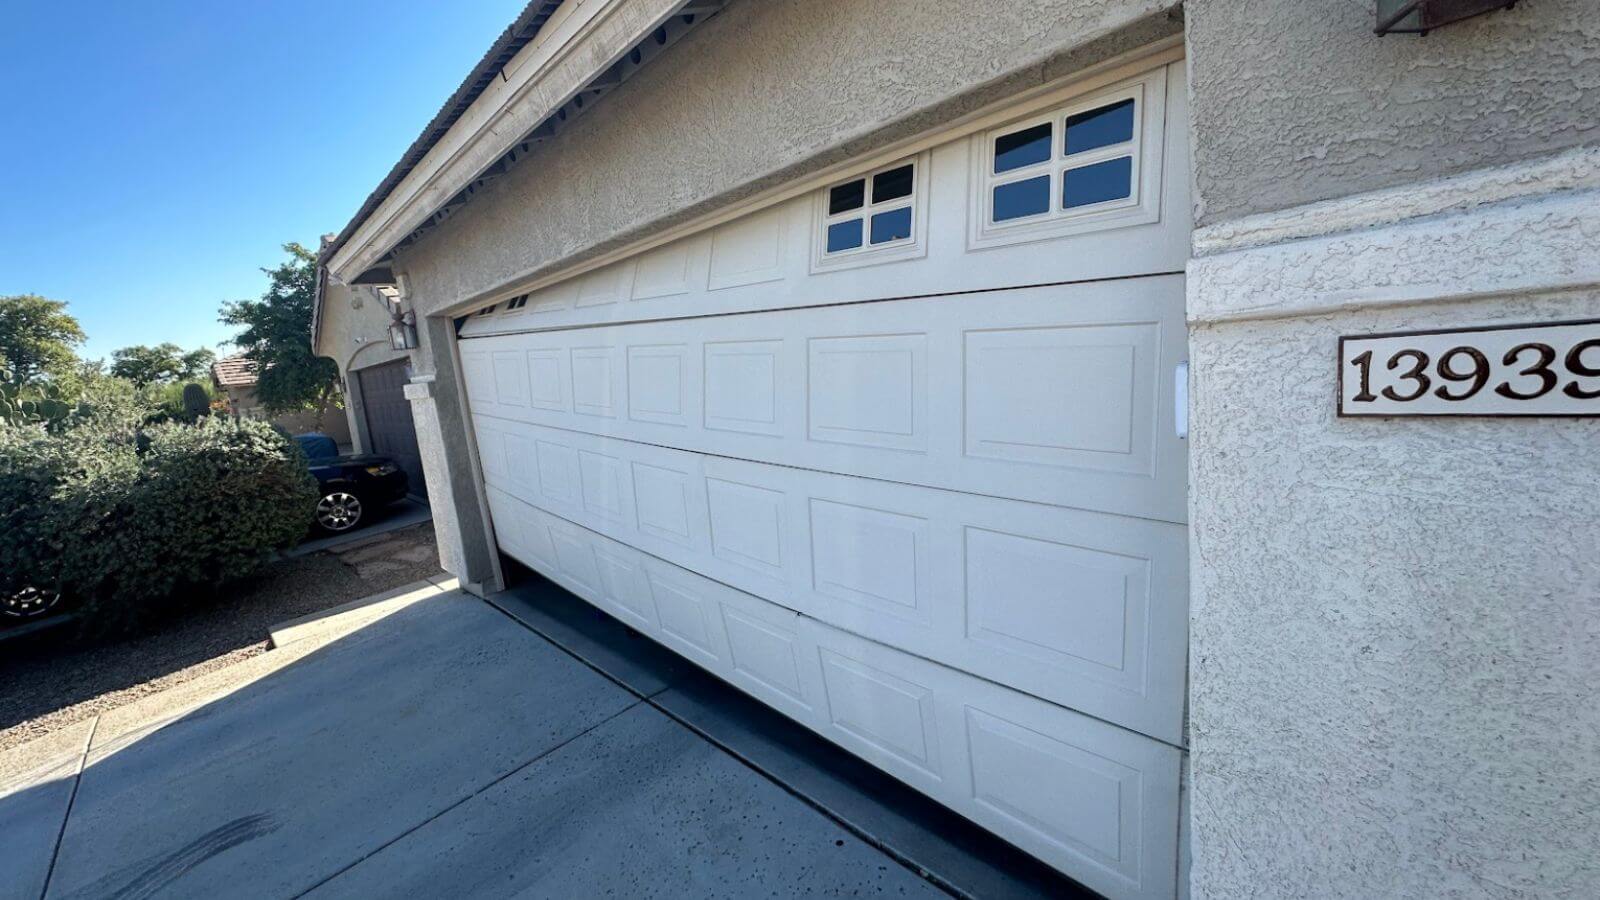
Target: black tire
[[339, 511]]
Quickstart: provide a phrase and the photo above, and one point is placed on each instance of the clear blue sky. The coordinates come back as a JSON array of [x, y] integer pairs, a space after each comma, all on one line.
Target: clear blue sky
[[154, 156]]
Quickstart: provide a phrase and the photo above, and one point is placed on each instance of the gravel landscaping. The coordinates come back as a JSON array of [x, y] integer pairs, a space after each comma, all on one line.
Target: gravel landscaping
[[52, 679]]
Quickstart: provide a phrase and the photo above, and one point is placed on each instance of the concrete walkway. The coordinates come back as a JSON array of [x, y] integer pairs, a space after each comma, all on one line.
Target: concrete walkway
[[439, 749]]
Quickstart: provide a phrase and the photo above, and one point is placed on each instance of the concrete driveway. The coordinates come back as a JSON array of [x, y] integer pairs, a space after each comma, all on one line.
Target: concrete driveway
[[443, 750]]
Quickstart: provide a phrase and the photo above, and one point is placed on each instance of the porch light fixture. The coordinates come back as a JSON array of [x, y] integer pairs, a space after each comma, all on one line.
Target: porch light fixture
[[402, 325], [1422, 16]]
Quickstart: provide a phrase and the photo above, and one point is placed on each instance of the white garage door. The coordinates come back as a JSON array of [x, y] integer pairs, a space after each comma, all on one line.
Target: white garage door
[[944, 530]]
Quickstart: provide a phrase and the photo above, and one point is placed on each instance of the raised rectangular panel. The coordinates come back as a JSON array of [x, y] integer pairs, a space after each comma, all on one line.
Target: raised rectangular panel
[[535, 539], [741, 386], [656, 383], [594, 380], [746, 525], [870, 391], [492, 452], [683, 619], [478, 371], [625, 586], [546, 388], [1062, 604], [892, 717], [510, 382], [1077, 800], [748, 250], [554, 298], [522, 462], [663, 272], [871, 557], [764, 653], [605, 285], [1073, 396], [603, 486], [575, 557], [558, 472], [661, 501]]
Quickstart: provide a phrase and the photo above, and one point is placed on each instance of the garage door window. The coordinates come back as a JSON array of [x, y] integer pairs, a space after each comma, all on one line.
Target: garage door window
[[871, 218], [1064, 170]]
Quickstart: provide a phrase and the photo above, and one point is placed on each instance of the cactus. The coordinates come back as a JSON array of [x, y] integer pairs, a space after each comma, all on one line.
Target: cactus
[[196, 403], [47, 406]]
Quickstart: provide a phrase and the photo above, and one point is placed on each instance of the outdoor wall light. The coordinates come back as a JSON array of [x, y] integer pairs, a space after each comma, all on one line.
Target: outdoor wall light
[[402, 329], [1422, 16]]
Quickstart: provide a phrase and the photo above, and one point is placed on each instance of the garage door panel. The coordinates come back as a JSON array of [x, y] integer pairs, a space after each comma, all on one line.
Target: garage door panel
[[1094, 800], [1059, 395], [1086, 609]]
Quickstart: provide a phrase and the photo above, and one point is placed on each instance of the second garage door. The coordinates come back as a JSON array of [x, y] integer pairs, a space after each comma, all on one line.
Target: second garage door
[[942, 526], [390, 429]]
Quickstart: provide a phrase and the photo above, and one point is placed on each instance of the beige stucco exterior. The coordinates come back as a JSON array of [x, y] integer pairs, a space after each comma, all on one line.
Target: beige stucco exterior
[[353, 331]]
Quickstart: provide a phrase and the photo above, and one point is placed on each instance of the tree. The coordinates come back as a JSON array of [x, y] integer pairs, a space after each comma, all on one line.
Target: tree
[[161, 364], [277, 336], [37, 336]]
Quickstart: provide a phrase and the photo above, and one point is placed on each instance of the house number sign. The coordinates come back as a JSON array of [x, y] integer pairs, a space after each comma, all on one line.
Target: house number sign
[[1517, 370]]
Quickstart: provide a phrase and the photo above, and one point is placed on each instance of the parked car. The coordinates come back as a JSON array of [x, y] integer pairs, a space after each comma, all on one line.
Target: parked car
[[28, 603], [351, 488]]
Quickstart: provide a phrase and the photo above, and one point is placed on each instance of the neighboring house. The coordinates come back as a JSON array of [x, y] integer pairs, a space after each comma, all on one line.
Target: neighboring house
[[236, 376], [352, 330], [964, 381]]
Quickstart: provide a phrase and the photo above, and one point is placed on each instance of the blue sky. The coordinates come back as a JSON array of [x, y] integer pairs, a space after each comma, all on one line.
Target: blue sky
[[154, 156]]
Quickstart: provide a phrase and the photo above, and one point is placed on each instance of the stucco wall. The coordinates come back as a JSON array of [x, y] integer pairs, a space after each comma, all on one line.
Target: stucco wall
[[1396, 630], [1300, 101], [354, 328], [1395, 623], [763, 92]]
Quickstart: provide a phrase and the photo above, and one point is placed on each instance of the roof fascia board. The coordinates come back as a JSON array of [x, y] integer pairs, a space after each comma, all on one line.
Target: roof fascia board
[[552, 72]]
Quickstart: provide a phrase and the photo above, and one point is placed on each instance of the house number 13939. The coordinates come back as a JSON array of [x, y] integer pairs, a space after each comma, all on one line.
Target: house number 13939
[[1518, 370]]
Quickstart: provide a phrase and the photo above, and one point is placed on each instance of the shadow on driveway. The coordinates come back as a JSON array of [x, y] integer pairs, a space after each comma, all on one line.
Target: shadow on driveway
[[443, 750]]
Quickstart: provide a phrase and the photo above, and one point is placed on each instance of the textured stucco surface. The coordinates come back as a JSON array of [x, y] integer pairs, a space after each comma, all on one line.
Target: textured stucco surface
[[354, 328], [765, 91], [1295, 102], [1395, 629]]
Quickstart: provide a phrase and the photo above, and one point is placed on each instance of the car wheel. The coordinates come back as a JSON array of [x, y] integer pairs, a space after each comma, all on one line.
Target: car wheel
[[29, 603], [338, 511]]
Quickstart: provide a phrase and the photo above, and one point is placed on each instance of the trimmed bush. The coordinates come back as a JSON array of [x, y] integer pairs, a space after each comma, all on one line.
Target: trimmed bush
[[133, 522]]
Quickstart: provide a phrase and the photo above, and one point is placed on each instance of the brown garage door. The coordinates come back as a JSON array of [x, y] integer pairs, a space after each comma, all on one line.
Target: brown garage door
[[389, 425]]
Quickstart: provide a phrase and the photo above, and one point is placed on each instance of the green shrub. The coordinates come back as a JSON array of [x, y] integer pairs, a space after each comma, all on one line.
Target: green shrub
[[132, 522]]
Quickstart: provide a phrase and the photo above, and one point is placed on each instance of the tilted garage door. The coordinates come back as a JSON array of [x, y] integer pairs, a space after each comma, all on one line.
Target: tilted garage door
[[831, 452]]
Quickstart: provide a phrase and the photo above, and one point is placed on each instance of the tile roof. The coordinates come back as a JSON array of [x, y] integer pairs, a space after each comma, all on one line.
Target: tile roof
[[235, 371]]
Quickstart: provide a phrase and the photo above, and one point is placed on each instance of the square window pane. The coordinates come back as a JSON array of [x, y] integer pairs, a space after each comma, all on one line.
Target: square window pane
[[1103, 181], [847, 196], [1022, 148], [844, 235], [894, 225], [1100, 127], [891, 185], [1028, 197]]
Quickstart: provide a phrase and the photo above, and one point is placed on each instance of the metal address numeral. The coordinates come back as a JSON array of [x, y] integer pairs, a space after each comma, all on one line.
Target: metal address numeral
[[1547, 378], [1469, 366], [1576, 366], [1479, 376], [1415, 374]]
